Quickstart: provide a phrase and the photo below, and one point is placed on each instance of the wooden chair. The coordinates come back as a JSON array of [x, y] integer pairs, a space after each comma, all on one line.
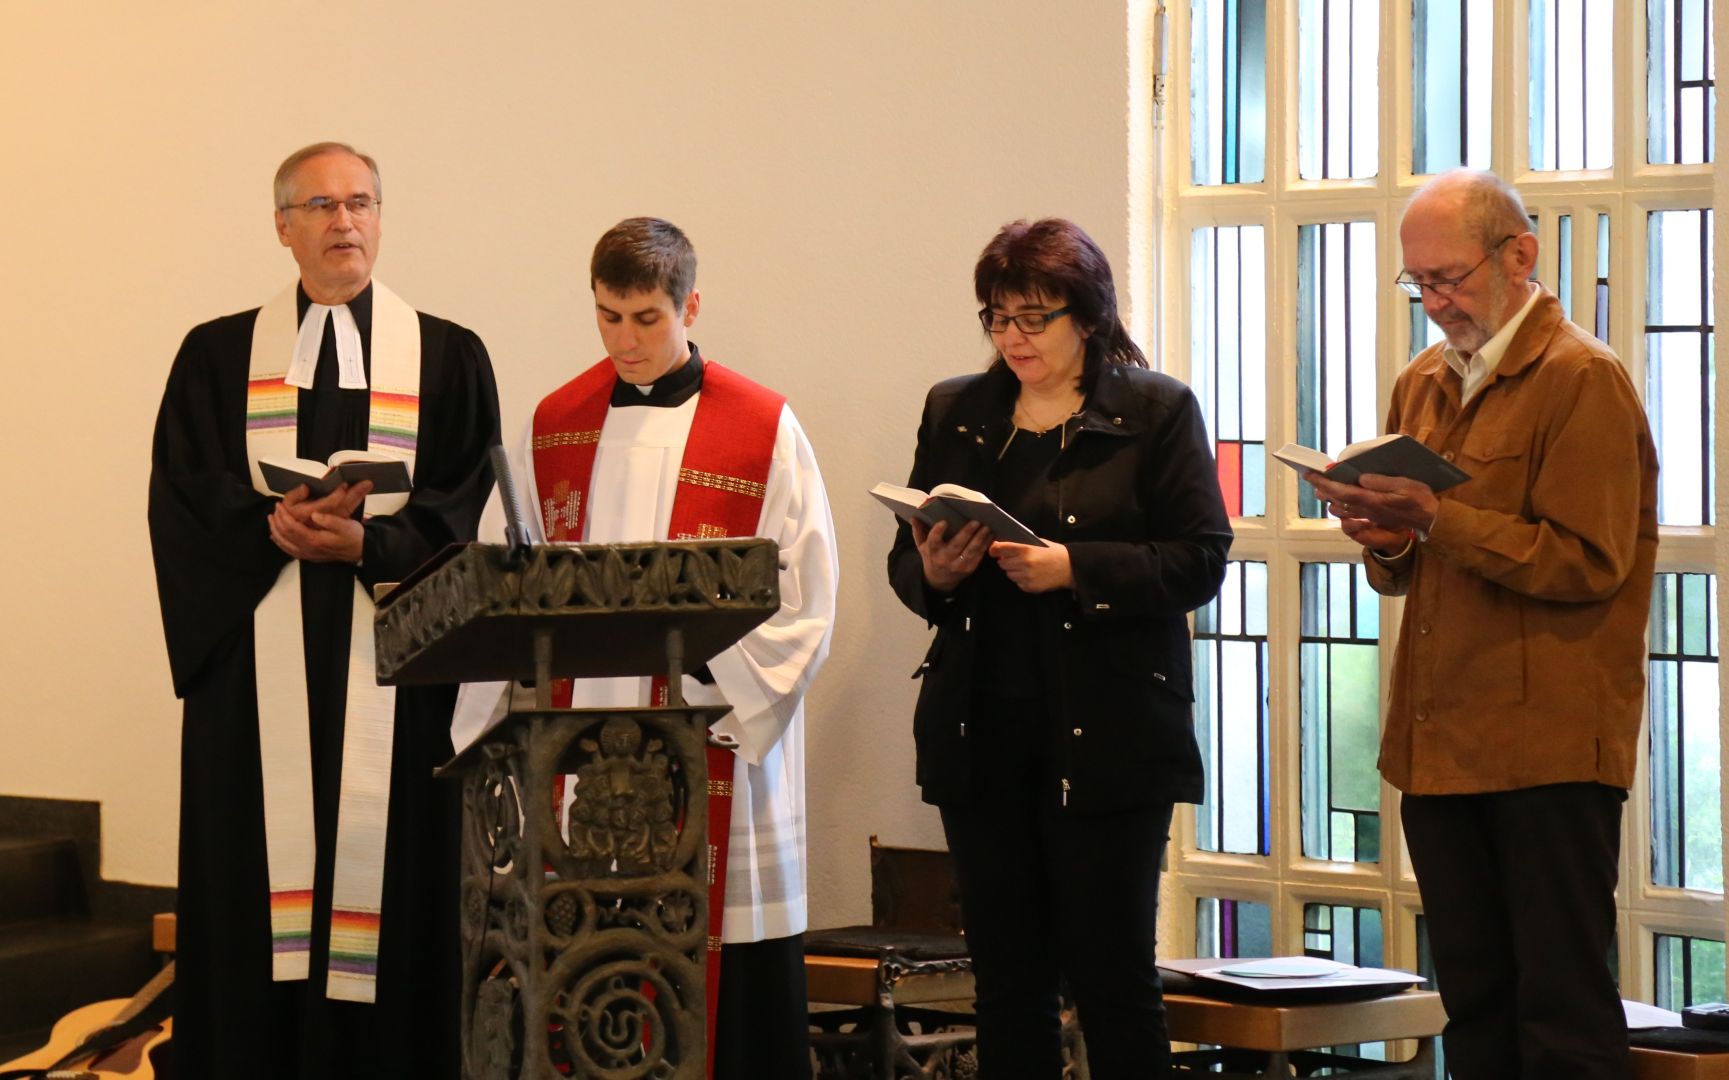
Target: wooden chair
[[904, 984], [888, 976]]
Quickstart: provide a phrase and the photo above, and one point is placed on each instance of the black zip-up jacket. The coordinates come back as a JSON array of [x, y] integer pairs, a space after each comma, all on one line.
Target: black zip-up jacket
[[1139, 508]]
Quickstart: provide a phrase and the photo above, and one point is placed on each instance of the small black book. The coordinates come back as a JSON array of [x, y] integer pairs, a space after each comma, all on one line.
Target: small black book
[[284, 474], [1389, 455]]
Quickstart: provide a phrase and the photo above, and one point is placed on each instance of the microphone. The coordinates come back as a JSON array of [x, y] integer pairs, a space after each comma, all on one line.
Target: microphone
[[516, 526]]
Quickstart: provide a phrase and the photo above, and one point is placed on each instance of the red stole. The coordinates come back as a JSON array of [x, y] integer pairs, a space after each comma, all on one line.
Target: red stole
[[722, 480]]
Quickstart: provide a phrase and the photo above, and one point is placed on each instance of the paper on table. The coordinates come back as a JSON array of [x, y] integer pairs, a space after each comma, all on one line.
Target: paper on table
[[1337, 974], [1641, 1016], [1286, 967]]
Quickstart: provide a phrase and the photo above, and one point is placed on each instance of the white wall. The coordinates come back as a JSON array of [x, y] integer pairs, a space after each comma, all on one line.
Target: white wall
[[837, 164]]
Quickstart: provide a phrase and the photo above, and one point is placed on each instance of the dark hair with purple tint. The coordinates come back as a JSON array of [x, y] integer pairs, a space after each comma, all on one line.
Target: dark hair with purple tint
[[1056, 260]]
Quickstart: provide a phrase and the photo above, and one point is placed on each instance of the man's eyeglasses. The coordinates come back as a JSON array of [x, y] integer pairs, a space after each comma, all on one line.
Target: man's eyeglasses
[[359, 206], [1445, 287], [1029, 322]]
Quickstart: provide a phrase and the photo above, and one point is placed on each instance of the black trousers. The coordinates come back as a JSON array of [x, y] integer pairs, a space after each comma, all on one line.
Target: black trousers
[[762, 1021], [1048, 895], [1518, 889]]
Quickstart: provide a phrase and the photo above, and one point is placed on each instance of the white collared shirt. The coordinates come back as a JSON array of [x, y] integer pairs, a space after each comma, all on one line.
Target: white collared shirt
[[1474, 370]]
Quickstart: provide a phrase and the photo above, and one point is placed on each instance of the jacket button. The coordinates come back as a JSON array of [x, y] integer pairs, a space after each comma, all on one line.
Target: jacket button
[[1117, 420], [1423, 628], [1422, 715], [1071, 519], [1068, 626], [1077, 731]]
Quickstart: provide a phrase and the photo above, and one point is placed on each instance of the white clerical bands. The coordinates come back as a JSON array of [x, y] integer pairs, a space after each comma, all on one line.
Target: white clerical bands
[[350, 358]]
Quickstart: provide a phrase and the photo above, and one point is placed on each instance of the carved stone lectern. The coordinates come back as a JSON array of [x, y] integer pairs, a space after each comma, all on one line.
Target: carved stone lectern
[[585, 943]]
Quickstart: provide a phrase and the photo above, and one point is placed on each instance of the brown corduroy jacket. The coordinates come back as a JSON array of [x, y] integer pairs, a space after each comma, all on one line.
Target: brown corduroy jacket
[[1521, 659]]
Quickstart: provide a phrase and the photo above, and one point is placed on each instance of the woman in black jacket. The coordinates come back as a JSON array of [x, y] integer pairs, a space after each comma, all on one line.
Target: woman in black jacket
[[1054, 726]]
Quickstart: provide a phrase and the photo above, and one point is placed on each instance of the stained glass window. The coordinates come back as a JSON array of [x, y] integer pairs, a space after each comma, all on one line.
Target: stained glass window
[[1338, 88], [1680, 364], [1680, 85], [1350, 935], [1686, 780], [1564, 263], [1689, 970], [1572, 54], [1233, 928], [1452, 43], [1231, 680], [1601, 326], [1228, 100], [1228, 336], [1340, 687], [1337, 285]]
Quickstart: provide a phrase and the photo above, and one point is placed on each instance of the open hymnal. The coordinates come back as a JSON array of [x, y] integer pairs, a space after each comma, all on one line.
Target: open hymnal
[[957, 506], [1389, 455], [284, 474]]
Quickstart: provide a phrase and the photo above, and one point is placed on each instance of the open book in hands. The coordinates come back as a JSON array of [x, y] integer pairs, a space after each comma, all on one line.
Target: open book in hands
[[1389, 455], [957, 506], [284, 474]]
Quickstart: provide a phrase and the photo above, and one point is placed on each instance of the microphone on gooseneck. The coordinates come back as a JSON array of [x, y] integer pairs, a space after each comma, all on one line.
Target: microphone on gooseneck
[[516, 526]]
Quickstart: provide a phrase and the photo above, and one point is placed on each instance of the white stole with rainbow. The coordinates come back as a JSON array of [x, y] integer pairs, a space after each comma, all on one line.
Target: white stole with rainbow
[[285, 742]]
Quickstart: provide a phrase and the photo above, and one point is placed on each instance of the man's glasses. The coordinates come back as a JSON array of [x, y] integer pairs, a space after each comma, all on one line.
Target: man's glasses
[[1445, 287], [359, 206], [1029, 322]]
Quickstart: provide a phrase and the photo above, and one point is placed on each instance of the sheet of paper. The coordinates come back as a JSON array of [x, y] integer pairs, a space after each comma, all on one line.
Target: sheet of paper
[[1641, 1016], [1340, 975], [1286, 967]]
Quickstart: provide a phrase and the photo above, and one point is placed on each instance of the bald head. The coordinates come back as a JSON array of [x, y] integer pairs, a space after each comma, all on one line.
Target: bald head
[[1479, 205]]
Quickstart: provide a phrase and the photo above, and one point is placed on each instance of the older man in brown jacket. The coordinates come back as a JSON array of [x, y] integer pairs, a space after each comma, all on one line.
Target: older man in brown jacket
[[1518, 683]]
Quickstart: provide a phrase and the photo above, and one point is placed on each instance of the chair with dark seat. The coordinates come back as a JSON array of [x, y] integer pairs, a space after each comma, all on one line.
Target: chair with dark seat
[[899, 992]]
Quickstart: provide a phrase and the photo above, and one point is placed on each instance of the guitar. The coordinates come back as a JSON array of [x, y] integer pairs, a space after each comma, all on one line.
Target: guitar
[[108, 1039]]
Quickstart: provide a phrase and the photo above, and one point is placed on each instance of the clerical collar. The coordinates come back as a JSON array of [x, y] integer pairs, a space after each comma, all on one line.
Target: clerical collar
[[352, 324], [669, 391]]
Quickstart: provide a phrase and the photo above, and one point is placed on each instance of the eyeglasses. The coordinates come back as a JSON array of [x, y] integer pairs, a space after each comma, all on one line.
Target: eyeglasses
[[359, 206], [1029, 322], [1445, 287]]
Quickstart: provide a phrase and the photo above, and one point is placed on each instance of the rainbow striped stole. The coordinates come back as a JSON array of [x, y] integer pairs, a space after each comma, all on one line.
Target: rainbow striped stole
[[354, 942], [393, 420], [270, 403], [393, 424]]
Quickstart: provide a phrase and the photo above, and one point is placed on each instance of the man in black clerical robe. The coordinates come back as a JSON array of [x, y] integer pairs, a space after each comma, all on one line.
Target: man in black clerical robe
[[221, 545]]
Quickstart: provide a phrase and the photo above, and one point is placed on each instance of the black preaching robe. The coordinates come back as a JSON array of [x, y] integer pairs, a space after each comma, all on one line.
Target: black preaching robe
[[214, 562]]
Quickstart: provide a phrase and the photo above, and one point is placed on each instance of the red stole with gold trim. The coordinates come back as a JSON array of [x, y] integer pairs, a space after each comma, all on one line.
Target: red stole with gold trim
[[722, 480]]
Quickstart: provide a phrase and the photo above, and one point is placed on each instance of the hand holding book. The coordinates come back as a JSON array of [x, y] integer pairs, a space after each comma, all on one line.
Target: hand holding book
[[1381, 490], [321, 528], [1390, 455], [957, 506]]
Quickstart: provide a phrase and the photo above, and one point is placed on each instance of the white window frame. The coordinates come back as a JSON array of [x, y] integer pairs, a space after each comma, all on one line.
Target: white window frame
[[1285, 880]]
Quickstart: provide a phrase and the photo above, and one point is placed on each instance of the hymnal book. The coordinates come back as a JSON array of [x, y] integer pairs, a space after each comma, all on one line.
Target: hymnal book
[[1389, 455], [284, 474], [957, 506]]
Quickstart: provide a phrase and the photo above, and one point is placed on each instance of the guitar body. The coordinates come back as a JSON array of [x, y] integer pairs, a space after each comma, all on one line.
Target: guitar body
[[136, 1059]]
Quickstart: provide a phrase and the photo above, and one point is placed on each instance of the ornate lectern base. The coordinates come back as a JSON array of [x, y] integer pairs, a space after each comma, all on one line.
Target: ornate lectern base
[[585, 946]]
